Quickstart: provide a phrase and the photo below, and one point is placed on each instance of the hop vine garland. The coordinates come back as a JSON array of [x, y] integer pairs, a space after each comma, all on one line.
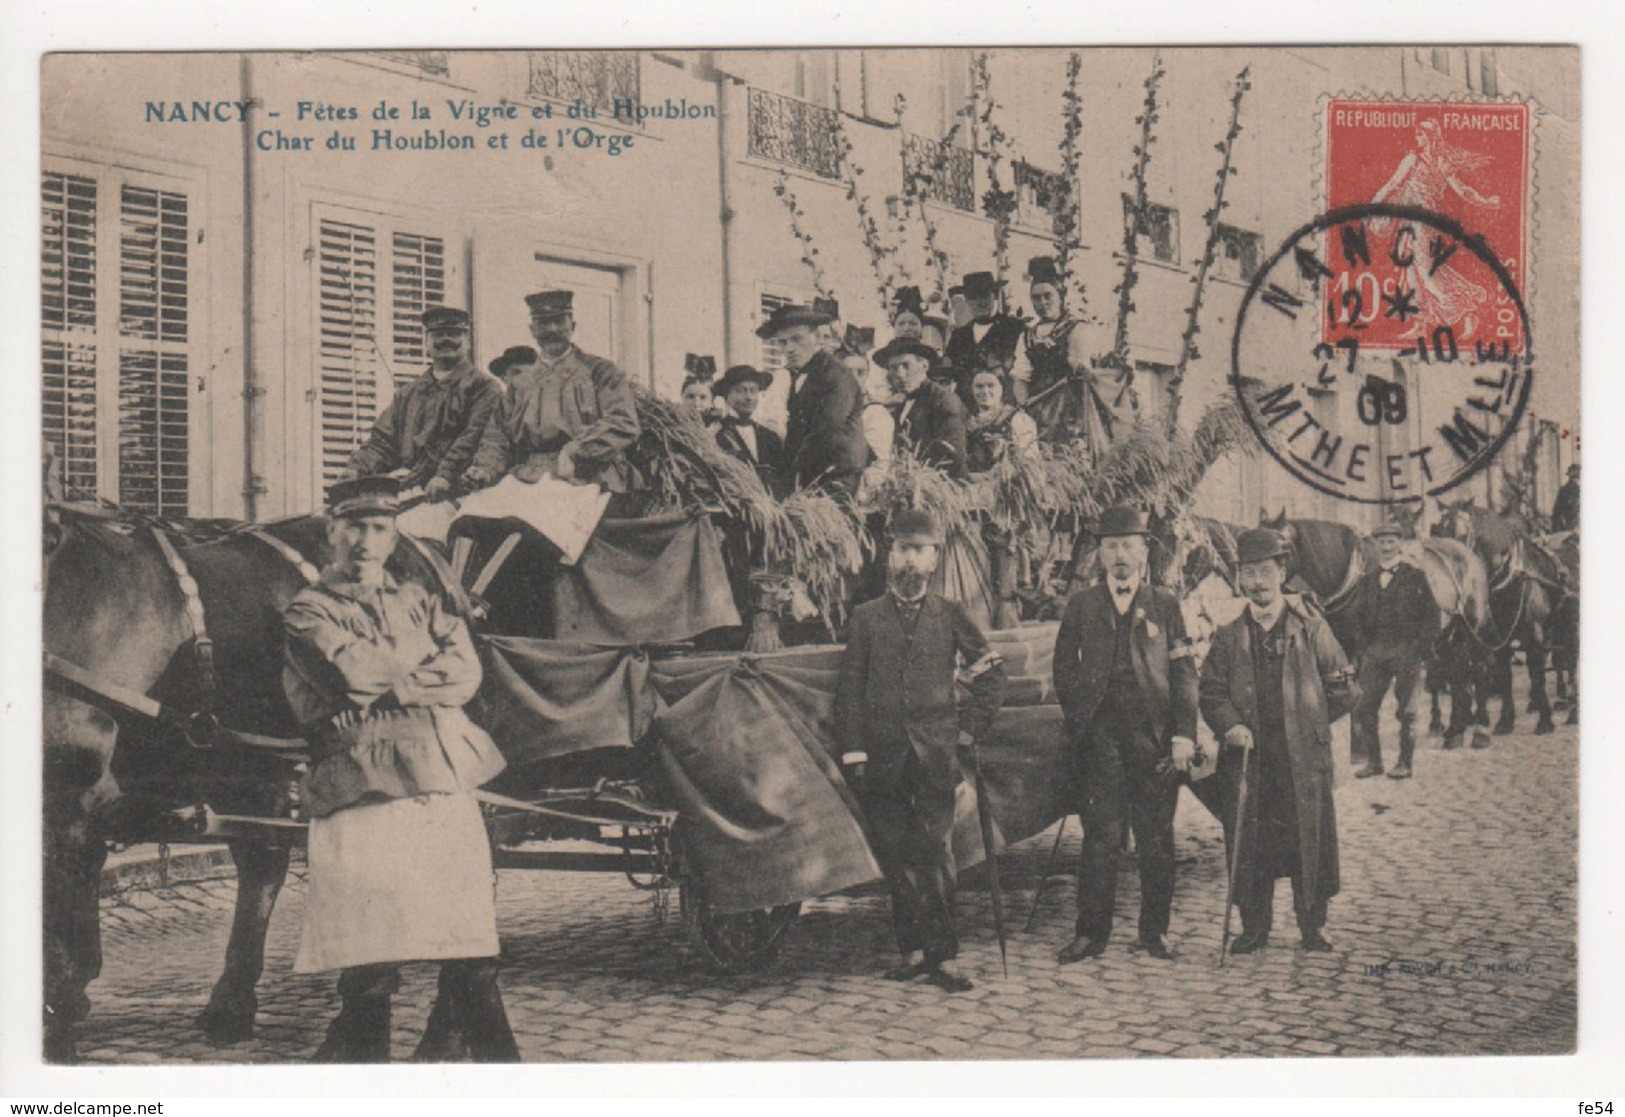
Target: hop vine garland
[[890, 271], [915, 193], [998, 203], [1069, 222], [1187, 345], [1147, 120], [809, 250]]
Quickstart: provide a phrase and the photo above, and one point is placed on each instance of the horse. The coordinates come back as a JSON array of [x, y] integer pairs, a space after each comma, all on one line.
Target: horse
[[1331, 558], [1529, 602], [164, 650]]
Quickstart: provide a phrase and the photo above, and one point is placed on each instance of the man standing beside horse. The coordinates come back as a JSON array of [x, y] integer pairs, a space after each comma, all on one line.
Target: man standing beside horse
[[1398, 622], [1273, 682], [1125, 674], [378, 672]]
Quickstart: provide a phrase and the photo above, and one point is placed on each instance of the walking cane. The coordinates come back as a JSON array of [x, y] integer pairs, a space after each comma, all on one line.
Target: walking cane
[[1235, 852]]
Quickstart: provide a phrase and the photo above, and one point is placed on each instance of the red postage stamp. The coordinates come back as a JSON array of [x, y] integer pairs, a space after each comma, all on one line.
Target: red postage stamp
[[1466, 162]]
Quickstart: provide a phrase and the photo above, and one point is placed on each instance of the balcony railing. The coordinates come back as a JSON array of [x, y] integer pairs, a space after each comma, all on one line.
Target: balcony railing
[[596, 78], [945, 174], [795, 133]]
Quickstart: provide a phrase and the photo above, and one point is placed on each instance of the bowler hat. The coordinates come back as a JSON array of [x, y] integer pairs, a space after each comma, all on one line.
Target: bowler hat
[[1122, 520], [378, 495], [445, 317], [917, 526], [783, 317], [551, 304], [741, 374], [899, 346], [1260, 543], [1042, 269], [980, 284], [512, 357]]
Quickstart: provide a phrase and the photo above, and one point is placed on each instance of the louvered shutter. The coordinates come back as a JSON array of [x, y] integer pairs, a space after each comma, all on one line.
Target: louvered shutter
[[418, 269], [68, 302]]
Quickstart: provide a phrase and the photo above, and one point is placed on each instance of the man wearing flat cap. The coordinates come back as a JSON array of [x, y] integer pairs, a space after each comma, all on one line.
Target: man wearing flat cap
[[1273, 682], [1398, 620], [1125, 674], [428, 435], [900, 730], [931, 421], [570, 414], [824, 445], [739, 434], [987, 341], [377, 672]]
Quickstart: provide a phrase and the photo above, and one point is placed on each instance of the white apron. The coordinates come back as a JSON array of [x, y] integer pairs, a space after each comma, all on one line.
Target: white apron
[[399, 881]]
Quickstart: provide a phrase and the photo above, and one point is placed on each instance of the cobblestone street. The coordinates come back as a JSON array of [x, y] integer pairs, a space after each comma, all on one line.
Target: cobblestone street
[[1460, 882]]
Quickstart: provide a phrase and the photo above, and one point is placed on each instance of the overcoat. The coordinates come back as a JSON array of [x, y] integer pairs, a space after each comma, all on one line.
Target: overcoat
[[1164, 661], [1317, 688], [433, 427], [895, 693]]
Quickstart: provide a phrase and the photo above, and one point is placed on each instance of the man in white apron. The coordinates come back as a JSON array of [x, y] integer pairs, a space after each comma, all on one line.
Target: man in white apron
[[377, 672]]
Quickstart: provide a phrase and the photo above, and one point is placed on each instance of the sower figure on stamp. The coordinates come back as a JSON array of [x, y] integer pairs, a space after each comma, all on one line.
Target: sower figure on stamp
[[900, 731], [1398, 622], [400, 866], [1126, 677], [428, 435], [1274, 680]]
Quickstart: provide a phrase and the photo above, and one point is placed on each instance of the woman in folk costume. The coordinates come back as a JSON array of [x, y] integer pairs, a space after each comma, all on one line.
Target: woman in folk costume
[[698, 398], [1000, 431], [377, 672], [1069, 398], [910, 321]]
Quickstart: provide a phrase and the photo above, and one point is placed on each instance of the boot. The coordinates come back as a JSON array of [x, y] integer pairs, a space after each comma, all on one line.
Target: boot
[[485, 1019], [360, 1032], [443, 1039]]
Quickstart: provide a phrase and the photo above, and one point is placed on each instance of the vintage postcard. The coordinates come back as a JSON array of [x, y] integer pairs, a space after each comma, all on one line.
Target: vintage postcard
[[672, 555]]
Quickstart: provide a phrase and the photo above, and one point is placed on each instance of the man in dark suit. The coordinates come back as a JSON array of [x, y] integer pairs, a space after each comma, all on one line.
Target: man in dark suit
[[931, 423], [1125, 673], [987, 341], [738, 433], [1398, 622], [900, 730], [1566, 508], [823, 444]]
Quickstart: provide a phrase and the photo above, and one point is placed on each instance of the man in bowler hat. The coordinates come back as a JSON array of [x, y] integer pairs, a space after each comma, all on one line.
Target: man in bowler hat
[[1398, 622], [987, 341], [428, 434], [824, 444], [931, 421], [1125, 674], [738, 433], [900, 732], [1273, 682]]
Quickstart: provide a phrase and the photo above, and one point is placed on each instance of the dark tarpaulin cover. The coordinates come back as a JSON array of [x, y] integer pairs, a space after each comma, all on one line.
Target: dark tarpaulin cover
[[654, 580]]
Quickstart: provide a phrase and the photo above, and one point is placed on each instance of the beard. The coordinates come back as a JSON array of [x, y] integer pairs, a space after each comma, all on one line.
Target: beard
[[907, 582]]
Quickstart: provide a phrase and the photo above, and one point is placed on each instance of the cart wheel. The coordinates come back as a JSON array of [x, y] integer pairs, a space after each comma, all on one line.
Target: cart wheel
[[746, 942]]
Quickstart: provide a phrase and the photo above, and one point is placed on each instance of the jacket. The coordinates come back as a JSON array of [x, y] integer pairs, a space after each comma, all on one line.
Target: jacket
[[1317, 687], [578, 400], [433, 427], [1412, 612], [996, 350], [823, 440], [895, 694], [768, 461], [1164, 661], [932, 425], [378, 677]]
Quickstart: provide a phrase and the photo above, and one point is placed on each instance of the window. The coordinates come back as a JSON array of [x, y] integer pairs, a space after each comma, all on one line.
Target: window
[[796, 133], [597, 78], [116, 280], [1157, 229], [1041, 197], [372, 284], [1237, 254], [942, 173], [1151, 381]]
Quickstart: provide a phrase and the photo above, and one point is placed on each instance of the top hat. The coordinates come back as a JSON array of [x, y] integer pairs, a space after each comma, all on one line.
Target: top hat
[[783, 317], [981, 284], [512, 357], [1122, 520], [378, 495], [740, 374], [445, 317], [899, 346], [1260, 543], [917, 526], [550, 304], [1042, 269], [1388, 527]]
